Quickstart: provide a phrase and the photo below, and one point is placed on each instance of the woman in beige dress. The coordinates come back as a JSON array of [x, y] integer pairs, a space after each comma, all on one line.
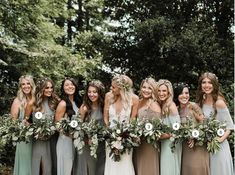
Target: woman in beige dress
[[146, 156], [195, 159]]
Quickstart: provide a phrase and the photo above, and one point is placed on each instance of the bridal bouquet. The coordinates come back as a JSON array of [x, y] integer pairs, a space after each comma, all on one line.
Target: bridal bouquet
[[90, 133], [43, 126], [120, 139]]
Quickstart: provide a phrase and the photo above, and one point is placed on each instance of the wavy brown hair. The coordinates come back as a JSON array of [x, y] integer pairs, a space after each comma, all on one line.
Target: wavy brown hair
[[101, 94], [216, 88], [53, 100]]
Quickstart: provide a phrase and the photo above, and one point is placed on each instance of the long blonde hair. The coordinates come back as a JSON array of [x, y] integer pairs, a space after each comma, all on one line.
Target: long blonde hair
[[125, 84], [165, 104], [20, 94], [153, 85]]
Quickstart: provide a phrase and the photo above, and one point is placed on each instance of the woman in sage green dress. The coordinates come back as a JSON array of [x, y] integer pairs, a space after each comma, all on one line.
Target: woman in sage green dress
[[46, 102], [170, 162], [195, 159], [146, 156], [213, 103], [68, 106], [25, 95], [92, 108]]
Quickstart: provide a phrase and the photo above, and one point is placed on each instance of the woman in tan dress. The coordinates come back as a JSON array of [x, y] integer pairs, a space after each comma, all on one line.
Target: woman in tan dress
[[146, 157], [195, 159]]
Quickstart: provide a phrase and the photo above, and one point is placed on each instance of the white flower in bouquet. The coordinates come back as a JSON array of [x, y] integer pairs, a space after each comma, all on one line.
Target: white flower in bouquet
[[195, 133], [117, 144], [118, 131], [220, 132], [176, 126]]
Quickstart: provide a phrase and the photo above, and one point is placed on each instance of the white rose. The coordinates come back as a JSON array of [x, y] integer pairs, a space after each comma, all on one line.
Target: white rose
[[117, 144], [38, 115]]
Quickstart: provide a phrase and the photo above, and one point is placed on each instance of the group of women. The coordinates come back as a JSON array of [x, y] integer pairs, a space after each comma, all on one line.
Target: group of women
[[57, 154]]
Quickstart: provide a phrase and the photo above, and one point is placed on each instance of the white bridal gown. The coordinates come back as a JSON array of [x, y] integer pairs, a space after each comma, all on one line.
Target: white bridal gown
[[125, 165]]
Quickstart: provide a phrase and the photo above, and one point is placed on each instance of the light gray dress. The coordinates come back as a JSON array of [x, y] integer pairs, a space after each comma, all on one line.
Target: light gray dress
[[41, 149], [65, 152], [170, 163], [23, 155], [221, 162], [89, 165]]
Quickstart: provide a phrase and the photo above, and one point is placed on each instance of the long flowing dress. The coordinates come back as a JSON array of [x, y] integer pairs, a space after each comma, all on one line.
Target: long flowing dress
[[89, 165], [65, 152], [170, 162], [195, 161], [23, 155], [146, 157], [125, 165], [41, 148], [221, 162]]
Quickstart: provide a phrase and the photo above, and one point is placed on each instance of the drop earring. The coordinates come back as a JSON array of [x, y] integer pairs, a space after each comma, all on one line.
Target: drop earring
[[204, 96]]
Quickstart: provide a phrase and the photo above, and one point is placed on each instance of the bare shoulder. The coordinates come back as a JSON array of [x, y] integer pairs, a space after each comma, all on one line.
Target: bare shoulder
[[16, 103], [135, 98], [220, 103], [173, 109], [62, 104]]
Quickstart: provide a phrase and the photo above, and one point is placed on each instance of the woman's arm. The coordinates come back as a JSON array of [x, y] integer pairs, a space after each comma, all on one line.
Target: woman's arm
[[60, 111], [106, 108], [83, 110], [220, 104], [15, 108], [134, 111]]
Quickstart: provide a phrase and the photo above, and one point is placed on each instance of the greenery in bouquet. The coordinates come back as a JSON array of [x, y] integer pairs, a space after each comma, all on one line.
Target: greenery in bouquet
[[43, 126], [150, 130], [120, 139], [13, 131], [186, 132], [68, 126], [92, 133], [212, 130]]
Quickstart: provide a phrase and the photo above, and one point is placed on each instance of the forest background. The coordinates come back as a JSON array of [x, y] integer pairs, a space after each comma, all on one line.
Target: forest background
[[93, 39]]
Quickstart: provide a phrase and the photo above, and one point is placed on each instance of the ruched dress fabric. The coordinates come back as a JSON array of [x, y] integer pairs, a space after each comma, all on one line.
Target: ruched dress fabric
[[195, 161], [41, 148], [125, 165], [23, 155], [146, 156], [65, 152], [170, 162], [221, 162]]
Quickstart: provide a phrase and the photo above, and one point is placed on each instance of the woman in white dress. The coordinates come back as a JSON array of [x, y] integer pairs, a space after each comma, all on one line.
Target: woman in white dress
[[121, 104]]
